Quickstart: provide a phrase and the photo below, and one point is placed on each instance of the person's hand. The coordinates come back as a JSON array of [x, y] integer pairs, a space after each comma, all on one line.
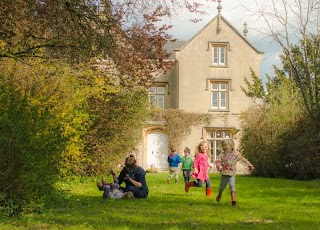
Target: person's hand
[[112, 172], [127, 178]]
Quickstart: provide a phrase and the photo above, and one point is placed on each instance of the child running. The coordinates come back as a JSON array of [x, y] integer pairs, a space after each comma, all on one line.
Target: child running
[[187, 163], [173, 160], [226, 165], [201, 166]]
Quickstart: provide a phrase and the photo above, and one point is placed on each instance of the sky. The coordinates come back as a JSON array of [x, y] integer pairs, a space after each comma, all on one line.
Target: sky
[[237, 15]]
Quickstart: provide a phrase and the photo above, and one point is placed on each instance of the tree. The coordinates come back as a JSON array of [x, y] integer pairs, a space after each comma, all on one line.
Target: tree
[[128, 32], [37, 105], [294, 26], [255, 89], [268, 128], [58, 113]]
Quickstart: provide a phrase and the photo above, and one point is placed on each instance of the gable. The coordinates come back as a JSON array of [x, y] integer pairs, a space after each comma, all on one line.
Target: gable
[[227, 29]]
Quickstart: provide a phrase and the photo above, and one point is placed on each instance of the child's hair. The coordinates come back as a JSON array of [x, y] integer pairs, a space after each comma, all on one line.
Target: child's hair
[[173, 149], [196, 151], [131, 161], [228, 142], [186, 149], [202, 143]]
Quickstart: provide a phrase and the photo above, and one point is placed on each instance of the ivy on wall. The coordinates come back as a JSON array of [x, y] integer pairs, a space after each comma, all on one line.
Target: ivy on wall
[[178, 123]]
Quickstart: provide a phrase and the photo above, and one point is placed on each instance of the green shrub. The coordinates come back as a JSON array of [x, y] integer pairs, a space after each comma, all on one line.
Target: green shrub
[[31, 140], [116, 130], [278, 137]]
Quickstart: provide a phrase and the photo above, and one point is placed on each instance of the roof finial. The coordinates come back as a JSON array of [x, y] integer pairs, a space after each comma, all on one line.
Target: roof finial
[[245, 30], [219, 16], [219, 6]]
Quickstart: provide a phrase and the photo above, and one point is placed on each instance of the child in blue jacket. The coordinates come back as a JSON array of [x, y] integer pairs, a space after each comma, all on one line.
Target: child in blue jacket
[[173, 160]]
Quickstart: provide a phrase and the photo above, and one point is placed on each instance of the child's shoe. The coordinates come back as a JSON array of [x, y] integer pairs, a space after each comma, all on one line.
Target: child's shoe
[[208, 191], [233, 198], [218, 198]]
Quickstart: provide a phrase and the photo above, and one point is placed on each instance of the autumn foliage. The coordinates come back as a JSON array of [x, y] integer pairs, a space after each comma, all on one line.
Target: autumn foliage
[[73, 88]]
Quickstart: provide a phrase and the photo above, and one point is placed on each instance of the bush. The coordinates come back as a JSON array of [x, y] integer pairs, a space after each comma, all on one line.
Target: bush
[[116, 130], [32, 136], [278, 137]]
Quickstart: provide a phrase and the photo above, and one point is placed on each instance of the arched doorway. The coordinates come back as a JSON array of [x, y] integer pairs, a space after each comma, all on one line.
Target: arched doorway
[[157, 150]]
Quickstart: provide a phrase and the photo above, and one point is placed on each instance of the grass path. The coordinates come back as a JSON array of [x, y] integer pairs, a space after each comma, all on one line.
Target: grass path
[[262, 203]]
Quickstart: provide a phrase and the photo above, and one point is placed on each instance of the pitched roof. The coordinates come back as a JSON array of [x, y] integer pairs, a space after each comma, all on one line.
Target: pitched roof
[[170, 47]]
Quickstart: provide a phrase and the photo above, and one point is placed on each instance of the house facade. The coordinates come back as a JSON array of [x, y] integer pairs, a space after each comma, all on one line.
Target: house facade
[[207, 76]]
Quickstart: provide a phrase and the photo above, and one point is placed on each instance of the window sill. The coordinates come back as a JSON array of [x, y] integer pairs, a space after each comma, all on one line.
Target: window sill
[[218, 66], [218, 110]]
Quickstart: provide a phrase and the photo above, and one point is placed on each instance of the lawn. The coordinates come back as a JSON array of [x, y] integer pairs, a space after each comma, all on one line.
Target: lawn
[[262, 203]]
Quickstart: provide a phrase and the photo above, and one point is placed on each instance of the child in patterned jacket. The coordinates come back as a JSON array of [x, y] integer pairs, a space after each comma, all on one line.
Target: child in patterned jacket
[[226, 165]]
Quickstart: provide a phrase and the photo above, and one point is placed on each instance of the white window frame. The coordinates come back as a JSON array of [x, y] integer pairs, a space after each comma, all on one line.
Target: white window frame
[[219, 54], [214, 136], [157, 95], [219, 95]]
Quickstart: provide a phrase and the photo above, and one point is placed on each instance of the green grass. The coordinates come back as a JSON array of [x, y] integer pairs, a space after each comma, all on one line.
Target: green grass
[[261, 204]]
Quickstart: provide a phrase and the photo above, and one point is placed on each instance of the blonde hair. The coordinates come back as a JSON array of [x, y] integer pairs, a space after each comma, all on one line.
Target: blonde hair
[[228, 142], [201, 144]]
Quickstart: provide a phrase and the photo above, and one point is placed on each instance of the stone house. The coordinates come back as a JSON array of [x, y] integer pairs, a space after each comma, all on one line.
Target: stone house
[[208, 72]]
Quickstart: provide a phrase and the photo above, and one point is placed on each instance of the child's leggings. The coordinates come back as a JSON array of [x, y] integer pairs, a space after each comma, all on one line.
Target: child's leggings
[[186, 175], [225, 180], [200, 182]]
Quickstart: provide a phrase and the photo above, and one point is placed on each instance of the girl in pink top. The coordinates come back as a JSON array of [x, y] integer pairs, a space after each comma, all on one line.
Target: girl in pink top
[[201, 166]]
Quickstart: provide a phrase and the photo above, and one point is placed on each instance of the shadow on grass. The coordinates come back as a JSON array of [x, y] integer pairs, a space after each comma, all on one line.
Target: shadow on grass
[[262, 204], [91, 212], [170, 211]]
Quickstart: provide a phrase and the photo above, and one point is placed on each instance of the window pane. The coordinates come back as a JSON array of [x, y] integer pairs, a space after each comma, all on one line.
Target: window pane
[[219, 134], [218, 147], [214, 86], [223, 86], [214, 102], [160, 101], [215, 55], [222, 55], [223, 100], [212, 151], [160, 90], [227, 134], [153, 99], [210, 135], [152, 90]]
